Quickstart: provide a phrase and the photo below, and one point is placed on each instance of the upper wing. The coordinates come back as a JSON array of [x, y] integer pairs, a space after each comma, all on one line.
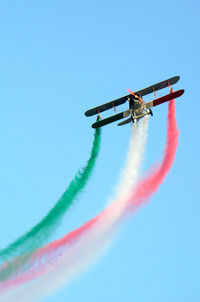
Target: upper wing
[[158, 86], [111, 119], [123, 99], [164, 98], [106, 106]]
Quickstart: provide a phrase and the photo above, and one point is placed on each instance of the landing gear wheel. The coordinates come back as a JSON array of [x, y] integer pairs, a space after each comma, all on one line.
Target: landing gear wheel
[[150, 111]]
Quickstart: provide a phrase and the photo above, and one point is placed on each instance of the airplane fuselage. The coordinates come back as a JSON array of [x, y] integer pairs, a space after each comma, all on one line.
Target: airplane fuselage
[[137, 107]]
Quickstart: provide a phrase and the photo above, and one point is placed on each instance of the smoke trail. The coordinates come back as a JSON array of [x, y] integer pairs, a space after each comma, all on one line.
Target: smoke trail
[[130, 176], [79, 248], [130, 173], [158, 172], [33, 239]]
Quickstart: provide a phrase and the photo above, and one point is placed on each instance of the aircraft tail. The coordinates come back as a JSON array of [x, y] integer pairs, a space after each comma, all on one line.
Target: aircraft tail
[[124, 122]]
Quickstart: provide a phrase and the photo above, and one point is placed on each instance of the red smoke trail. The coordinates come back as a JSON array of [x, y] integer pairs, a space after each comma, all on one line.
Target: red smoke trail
[[144, 190], [158, 172]]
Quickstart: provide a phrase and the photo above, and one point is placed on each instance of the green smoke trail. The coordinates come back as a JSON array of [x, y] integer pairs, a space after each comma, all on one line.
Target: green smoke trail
[[40, 233]]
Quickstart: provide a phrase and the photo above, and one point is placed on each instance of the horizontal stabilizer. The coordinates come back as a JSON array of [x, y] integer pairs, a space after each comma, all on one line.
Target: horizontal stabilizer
[[164, 98], [111, 119], [125, 122]]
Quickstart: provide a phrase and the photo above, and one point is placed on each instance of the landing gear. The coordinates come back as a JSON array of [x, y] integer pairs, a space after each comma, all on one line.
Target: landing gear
[[132, 119], [150, 112]]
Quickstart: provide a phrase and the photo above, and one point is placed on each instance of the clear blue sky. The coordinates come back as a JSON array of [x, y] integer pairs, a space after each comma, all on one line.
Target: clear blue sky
[[59, 58]]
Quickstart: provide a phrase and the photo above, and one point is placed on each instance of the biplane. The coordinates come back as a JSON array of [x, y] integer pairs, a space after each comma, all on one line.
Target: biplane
[[138, 108]]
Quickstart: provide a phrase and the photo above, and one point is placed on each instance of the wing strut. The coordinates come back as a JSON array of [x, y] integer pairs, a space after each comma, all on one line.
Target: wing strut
[[170, 87], [114, 108], [99, 115], [155, 93]]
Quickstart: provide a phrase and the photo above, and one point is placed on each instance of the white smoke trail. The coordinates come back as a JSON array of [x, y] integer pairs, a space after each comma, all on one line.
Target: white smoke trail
[[85, 251], [130, 173]]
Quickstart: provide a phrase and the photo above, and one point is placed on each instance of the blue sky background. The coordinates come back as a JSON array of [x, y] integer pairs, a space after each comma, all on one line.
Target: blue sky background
[[59, 58]]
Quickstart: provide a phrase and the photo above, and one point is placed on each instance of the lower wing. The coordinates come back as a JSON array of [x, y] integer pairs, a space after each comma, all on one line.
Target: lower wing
[[164, 98], [111, 119]]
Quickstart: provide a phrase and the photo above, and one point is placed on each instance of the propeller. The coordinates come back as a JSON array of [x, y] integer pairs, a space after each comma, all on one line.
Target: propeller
[[135, 95]]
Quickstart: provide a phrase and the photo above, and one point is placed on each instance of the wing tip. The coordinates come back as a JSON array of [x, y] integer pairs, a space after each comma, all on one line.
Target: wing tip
[[177, 77], [95, 125], [174, 80], [87, 113], [182, 91]]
